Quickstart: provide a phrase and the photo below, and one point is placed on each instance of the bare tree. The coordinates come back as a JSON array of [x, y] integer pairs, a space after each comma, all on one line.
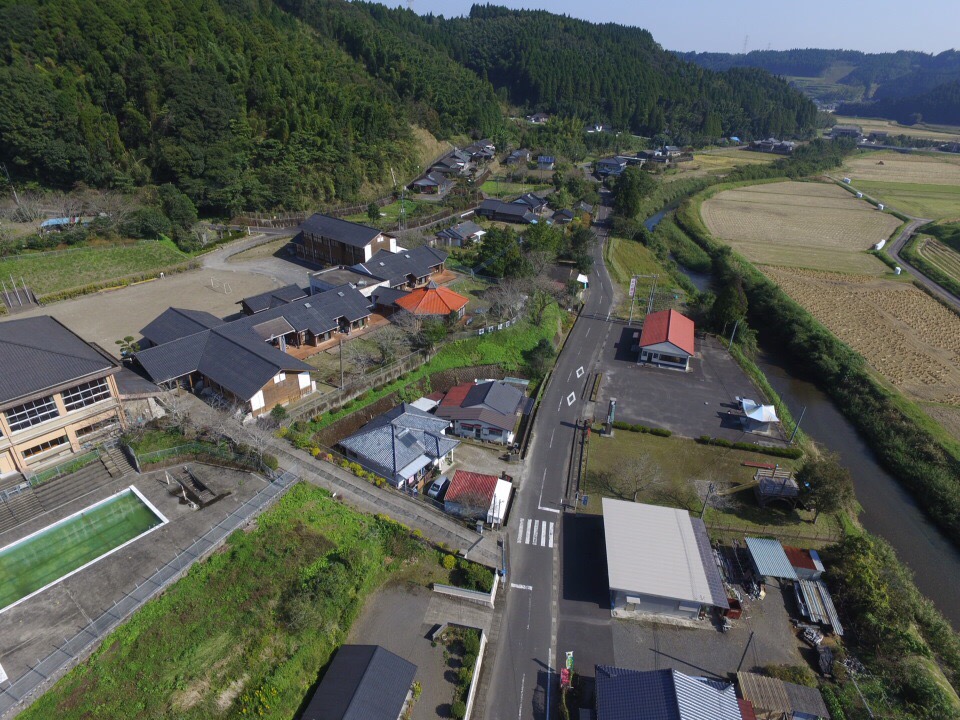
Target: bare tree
[[357, 357], [110, 204], [507, 297], [258, 436], [30, 208], [392, 341], [65, 205], [540, 260], [641, 474]]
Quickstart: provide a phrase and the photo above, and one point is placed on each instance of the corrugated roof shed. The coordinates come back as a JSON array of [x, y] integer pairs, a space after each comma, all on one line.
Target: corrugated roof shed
[[364, 682], [654, 550], [39, 353], [820, 608], [623, 694], [769, 695], [769, 558]]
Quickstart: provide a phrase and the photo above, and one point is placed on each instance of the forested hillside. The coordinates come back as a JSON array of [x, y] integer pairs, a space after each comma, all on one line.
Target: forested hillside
[[615, 74], [261, 104], [921, 80]]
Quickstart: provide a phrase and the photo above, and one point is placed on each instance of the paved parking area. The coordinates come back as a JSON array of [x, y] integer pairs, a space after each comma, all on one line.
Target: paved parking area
[[34, 629], [378, 625], [763, 636], [687, 403], [483, 459]]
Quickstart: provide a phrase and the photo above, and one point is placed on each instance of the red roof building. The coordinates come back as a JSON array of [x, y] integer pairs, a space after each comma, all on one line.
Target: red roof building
[[470, 494], [432, 300], [667, 339]]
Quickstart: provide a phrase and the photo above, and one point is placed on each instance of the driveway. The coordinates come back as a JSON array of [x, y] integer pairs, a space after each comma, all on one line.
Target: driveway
[[689, 404]]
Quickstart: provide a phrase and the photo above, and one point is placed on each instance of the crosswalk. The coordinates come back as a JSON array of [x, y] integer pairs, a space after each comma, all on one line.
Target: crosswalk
[[535, 532]]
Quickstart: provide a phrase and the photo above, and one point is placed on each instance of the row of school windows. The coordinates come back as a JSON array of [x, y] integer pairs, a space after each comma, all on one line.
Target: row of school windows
[[62, 440], [39, 411]]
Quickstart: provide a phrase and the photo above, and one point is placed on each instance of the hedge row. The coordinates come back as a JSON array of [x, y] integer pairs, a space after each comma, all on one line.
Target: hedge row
[[917, 452], [115, 283], [785, 452], [659, 432]]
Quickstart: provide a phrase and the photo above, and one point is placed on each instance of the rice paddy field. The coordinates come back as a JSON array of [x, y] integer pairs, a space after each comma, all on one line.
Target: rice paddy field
[[944, 258], [926, 132], [919, 185], [906, 335], [796, 224], [717, 162]]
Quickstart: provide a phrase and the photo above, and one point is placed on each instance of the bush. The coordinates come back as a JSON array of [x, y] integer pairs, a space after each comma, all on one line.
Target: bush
[[659, 432], [458, 710], [785, 452], [449, 562], [270, 461]]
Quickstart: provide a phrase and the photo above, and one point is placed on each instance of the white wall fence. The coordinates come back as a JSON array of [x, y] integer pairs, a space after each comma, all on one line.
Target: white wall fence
[[475, 681], [475, 596]]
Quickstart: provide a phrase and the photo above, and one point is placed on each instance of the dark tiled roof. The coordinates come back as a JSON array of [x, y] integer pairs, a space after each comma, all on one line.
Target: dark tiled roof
[[342, 231], [39, 353], [274, 298], [623, 694], [496, 395], [494, 403], [364, 682], [534, 202], [396, 268], [174, 323], [515, 212], [387, 296], [461, 231]]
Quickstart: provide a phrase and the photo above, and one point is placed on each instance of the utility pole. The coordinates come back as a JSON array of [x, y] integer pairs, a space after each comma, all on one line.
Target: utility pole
[[341, 363], [734, 333], [797, 426]]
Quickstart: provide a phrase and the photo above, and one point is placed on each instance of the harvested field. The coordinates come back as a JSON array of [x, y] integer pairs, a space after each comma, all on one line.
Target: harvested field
[[907, 336], [813, 225], [944, 258], [927, 132], [902, 168]]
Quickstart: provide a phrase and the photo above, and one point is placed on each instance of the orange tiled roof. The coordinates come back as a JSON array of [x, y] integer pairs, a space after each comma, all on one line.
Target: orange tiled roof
[[432, 300]]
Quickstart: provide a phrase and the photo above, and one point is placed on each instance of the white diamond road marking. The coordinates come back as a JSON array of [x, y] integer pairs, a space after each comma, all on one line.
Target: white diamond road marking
[[536, 530], [571, 399], [529, 530], [580, 371]]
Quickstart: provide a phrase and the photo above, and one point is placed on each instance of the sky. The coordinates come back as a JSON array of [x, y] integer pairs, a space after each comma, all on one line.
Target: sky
[[724, 25]]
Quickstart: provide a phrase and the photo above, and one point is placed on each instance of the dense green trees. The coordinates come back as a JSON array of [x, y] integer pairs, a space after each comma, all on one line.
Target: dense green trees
[[938, 105], [630, 190]]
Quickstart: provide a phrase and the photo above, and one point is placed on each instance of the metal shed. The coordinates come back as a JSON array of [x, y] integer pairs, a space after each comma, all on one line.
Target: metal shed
[[769, 559]]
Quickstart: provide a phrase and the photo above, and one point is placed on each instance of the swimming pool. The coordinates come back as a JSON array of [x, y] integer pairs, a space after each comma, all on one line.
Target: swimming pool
[[44, 558]]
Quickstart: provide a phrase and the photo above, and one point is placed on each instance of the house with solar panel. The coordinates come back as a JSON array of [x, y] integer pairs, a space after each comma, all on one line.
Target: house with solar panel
[[623, 694], [403, 445], [660, 563]]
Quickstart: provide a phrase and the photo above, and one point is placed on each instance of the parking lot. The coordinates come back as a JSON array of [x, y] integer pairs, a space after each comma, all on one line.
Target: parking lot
[[763, 636], [690, 404]]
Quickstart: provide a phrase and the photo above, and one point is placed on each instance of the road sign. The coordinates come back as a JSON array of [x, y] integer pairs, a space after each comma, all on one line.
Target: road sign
[[585, 499], [569, 659], [633, 286], [564, 678]]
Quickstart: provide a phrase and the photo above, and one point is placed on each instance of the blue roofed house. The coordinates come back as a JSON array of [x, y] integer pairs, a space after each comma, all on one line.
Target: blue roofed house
[[546, 162], [403, 445], [623, 694]]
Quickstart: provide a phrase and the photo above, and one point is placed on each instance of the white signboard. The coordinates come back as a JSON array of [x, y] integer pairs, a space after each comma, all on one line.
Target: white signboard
[[633, 286]]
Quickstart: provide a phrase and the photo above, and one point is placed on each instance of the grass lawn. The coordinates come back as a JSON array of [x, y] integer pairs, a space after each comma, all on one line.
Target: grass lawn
[[390, 214], [683, 465], [471, 288], [626, 258], [246, 632], [927, 201], [54, 272], [502, 188]]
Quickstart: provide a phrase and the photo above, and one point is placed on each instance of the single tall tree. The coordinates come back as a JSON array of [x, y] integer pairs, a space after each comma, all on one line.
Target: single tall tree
[[825, 484]]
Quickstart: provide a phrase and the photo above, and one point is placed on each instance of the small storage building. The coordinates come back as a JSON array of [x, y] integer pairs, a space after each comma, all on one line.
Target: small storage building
[[667, 340]]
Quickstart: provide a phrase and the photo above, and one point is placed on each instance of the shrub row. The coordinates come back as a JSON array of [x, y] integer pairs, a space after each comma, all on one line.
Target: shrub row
[[784, 452], [920, 456], [659, 432], [115, 283]]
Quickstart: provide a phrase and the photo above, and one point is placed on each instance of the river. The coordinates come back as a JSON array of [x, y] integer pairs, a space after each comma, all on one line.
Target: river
[[889, 511]]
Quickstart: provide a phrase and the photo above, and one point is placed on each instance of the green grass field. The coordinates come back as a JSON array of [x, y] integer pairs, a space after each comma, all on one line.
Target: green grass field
[[681, 464], [927, 201], [246, 632], [390, 214], [54, 272], [502, 188], [626, 258], [49, 556]]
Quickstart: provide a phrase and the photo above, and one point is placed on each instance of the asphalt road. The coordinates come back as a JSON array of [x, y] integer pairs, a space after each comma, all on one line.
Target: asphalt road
[[905, 234], [525, 678]]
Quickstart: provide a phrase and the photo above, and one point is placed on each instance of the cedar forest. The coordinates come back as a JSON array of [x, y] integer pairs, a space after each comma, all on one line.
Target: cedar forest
[[266, 104]]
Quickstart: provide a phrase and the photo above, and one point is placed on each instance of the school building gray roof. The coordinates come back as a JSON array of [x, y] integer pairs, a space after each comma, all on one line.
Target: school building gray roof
[[344, 231], [174, 323]]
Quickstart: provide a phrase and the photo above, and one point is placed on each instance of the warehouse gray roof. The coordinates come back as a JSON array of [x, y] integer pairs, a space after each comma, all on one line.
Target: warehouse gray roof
[[770, 559], [397, 268], [653, 550], [174, 323], [343, 231], [364, 682], [38, 354]]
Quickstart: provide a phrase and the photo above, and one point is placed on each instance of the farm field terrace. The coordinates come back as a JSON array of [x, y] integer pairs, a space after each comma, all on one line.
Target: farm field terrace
[[247, 631], [944, 258], [925, 186], [800, 224], [925, 132], [907, 336]]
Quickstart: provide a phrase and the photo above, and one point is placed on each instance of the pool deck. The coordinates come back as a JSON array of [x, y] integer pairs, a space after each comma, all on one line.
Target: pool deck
[[32, 630]]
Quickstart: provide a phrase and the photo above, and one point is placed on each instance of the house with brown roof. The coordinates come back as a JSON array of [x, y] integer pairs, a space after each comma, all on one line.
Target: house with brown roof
[[484, 411], [58, 394], [476, 496], [667, 340]]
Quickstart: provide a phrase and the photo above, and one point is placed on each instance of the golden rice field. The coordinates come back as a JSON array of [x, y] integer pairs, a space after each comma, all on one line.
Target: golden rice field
[[905, 168], [907, 336], [811, 225]]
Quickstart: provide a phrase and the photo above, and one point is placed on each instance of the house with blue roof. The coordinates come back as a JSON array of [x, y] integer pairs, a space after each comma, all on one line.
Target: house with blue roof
[[623, 694]]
